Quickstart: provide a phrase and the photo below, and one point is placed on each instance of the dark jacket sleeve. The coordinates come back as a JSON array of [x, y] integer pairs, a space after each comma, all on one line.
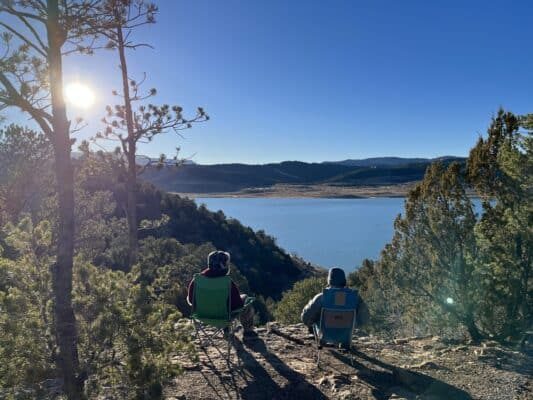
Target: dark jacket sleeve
[[311, 312], [236, 301], [190, 292]]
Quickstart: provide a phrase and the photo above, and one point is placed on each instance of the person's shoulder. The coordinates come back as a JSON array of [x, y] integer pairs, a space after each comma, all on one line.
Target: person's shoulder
[[318, 297]]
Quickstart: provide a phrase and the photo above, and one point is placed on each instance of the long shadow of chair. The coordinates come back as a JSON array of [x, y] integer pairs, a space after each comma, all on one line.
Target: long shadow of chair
[[296, 388], [386, 376]]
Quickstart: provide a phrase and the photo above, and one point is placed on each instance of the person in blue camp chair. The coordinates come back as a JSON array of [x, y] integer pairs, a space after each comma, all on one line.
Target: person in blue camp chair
[[336, 280], [217, 266]]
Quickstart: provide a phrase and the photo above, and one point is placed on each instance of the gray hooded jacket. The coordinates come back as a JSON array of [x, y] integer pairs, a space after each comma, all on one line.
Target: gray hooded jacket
[[336, 279]]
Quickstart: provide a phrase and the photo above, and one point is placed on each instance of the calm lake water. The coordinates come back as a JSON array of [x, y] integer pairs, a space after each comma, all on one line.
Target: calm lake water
[[327, 232]]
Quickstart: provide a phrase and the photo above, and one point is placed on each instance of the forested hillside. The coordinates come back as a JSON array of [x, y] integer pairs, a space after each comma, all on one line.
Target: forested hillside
[[116, 304], [194, 178]]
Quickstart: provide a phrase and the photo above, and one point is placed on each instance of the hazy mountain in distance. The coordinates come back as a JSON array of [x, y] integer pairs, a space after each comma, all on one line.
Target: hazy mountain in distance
[[219, 178], [390, 161]]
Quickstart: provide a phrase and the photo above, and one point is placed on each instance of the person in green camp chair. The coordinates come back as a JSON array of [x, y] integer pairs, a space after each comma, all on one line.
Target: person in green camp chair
[[217, 266]]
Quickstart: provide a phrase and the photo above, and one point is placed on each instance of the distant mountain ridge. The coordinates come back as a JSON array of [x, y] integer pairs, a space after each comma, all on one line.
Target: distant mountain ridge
[[221, 178], [389, 161]]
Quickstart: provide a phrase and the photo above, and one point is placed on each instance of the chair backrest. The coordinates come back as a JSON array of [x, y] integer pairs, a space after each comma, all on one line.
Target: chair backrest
[[337, 319], [212, 297]]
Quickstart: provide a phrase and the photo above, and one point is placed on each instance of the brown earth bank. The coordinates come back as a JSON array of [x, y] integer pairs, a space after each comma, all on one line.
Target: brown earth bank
[[281, 364], [314, 191]]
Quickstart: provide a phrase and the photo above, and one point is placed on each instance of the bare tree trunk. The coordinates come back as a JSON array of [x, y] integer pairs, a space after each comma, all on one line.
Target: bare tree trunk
[[129, 146], [131, 187], [473, 331], [64, 318]]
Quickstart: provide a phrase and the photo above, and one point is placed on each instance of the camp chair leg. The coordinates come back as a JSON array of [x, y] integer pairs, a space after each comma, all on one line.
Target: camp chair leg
[[230, 343], [197, 331], [318, 345], [206, 338], [348, 348]]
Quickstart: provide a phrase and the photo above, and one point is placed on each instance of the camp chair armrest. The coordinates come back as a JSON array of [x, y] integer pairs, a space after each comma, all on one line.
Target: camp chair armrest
[[247, 303]]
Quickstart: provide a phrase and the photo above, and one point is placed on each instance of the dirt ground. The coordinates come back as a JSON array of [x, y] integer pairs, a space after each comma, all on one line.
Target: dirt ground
[[281, 364]]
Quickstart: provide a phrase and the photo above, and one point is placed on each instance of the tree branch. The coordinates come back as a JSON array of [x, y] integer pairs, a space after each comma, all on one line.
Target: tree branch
[[24, 39], [16, 13], [35, 34], [15, 99]]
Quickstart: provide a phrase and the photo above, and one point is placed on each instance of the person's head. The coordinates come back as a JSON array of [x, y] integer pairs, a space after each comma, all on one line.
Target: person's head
[[218, 261], [336, 278]]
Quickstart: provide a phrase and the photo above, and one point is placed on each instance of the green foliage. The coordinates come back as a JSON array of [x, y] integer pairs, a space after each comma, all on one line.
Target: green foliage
[[289, 308], [129, 334], [267, 268], [501, 168], [24, 158], [376, 289], [448, 271], [27, 343]]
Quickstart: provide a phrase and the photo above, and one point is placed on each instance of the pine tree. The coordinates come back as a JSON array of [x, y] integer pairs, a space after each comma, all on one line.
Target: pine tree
[[35, 36], [129, 126], [500, 167], [434, 247]]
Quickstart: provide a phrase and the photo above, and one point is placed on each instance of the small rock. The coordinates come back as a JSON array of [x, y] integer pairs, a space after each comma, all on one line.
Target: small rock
[[426, 365], [324, 381], [400, 341], [460, 348], [346, 395], [191, 367]]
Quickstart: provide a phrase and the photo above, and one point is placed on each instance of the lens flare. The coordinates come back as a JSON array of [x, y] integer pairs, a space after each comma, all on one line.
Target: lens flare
[[79, 95]]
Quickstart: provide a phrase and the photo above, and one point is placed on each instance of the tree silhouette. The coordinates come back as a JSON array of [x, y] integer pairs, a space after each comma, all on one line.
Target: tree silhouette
[[124, 123], [35, 35]]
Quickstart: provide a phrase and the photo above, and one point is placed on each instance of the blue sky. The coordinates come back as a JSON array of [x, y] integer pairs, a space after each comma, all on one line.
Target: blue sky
[[327, 80]]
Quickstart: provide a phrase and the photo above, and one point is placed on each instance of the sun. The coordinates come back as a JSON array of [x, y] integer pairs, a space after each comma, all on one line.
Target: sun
[[79, 95]]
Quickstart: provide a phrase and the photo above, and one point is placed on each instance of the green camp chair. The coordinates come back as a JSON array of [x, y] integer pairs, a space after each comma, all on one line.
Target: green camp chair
[[212, 309]]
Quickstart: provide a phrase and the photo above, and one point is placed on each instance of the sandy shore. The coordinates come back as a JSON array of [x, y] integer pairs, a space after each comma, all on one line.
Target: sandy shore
[[315, 191]]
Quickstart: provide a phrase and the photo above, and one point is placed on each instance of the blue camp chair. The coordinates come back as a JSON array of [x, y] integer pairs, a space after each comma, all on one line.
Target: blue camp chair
[[337, 319]]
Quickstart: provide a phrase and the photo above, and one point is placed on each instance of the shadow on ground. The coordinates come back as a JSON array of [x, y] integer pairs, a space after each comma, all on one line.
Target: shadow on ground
[[386, 379], [261, 384]]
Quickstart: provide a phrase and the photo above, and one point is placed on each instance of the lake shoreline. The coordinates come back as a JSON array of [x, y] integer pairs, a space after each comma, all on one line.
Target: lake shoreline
[[283, 191]]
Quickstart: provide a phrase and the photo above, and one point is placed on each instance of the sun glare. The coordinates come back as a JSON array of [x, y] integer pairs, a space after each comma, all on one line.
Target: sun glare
[[79, 95]]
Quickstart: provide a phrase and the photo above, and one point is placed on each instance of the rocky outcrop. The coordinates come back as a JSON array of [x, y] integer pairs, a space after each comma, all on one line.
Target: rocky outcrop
[[281, 364]]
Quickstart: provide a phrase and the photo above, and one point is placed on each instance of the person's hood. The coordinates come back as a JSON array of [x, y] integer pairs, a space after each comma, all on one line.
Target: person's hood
[[218, 263], [336, 277]]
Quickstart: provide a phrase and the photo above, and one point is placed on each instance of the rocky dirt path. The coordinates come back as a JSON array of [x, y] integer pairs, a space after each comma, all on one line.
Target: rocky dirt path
[[281, 364]]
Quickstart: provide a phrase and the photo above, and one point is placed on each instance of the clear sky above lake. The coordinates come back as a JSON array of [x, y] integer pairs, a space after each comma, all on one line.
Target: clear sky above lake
[[328, 80]]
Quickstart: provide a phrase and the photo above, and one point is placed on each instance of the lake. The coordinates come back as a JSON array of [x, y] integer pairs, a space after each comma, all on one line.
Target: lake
[[327, 232]]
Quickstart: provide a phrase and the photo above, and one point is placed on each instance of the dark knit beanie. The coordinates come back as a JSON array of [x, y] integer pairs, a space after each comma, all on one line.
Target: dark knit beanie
[[336, 277], [218, 261]]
